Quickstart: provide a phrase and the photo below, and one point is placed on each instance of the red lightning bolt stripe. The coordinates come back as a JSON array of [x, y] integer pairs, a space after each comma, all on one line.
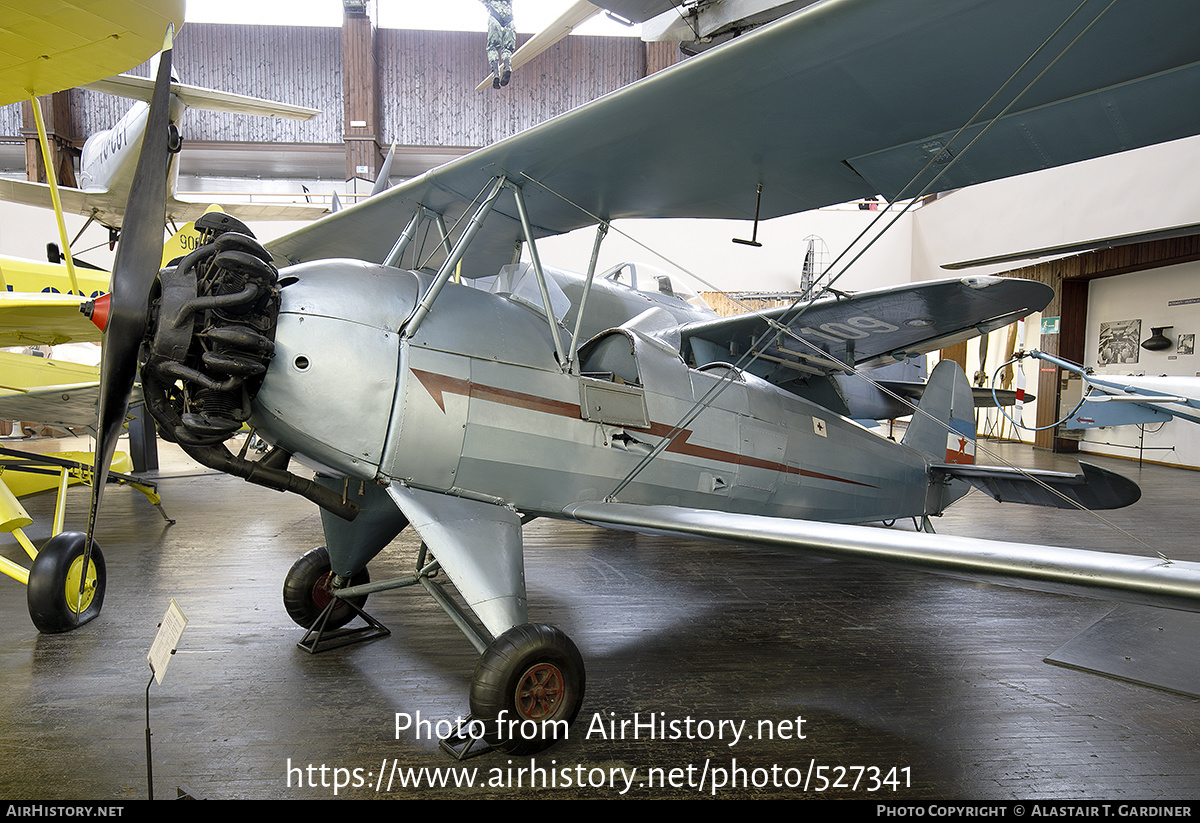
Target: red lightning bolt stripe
[[439, 384]]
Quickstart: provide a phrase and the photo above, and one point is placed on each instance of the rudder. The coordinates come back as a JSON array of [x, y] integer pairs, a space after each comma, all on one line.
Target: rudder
[[946, 402]]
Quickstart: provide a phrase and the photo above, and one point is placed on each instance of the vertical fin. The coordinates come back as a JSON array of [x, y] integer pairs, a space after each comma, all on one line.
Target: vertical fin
[[944, 425]]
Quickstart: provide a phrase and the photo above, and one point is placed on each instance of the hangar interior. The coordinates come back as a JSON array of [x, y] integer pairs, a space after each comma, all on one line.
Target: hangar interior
[[943, 680]]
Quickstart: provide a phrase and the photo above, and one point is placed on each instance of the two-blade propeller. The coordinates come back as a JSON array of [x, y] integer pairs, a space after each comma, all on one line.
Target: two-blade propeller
[[139, 253]]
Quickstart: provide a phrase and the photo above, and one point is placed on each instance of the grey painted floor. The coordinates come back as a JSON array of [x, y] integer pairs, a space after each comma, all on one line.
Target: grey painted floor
[[940, 679]]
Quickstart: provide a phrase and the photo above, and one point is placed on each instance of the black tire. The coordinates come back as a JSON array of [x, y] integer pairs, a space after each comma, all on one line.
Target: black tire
[[306, 591], [53, 589], [527, 688]]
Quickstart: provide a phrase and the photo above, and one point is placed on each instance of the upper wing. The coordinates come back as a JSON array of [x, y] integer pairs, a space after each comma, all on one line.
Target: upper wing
[[47, 47], [1097, 244], [1149, 581], [638, 11], [841, 100], [867, 329]]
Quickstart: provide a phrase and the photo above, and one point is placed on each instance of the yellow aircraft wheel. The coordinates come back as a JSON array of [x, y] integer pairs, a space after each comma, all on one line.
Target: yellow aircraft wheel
[[75, 603], [53, 592], [527, 688]]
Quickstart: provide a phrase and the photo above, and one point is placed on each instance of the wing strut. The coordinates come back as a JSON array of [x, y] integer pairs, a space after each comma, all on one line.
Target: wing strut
[[527, 228], [422, 310], [52, 181], [455, 254], [601, 231], [406, 236]]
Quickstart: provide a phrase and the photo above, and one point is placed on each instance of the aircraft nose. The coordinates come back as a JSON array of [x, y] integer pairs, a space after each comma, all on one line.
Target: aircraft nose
[[97, 311], [337, 355]]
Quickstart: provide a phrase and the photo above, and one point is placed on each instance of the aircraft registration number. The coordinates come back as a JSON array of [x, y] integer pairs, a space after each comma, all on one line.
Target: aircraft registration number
[[855, 328]]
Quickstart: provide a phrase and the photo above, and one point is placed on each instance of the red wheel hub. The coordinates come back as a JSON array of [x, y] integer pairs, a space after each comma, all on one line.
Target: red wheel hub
[[539, 691], [322, 591]]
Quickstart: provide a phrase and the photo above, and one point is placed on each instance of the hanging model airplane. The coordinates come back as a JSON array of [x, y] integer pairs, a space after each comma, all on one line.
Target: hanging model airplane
[[109, 158], [1114, 400], [695, 26], [476, 411]]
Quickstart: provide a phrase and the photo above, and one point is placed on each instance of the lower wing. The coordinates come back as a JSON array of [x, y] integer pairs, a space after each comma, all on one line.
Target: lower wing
[[1148, 581]]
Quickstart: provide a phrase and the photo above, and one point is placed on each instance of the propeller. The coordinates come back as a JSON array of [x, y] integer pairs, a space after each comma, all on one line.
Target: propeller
[[981, 374], [139, 253]]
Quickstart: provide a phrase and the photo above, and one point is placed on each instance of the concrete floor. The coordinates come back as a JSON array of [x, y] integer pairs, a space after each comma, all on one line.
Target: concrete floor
[[942, 679]]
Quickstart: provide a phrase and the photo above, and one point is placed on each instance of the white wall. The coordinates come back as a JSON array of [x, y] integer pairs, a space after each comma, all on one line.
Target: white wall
[[1145, 296], [1136, 191], [25, 231], [706, 249]]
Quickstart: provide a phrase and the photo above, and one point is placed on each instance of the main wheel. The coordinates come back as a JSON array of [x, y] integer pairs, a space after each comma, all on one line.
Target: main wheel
[[307, 590], [527, 688], [53, 593]]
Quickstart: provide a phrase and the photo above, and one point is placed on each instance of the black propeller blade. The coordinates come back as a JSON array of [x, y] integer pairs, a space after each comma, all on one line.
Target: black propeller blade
[[139, 253]]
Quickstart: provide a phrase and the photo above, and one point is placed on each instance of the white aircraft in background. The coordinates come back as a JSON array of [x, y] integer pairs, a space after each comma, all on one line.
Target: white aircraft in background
[[110, 157]]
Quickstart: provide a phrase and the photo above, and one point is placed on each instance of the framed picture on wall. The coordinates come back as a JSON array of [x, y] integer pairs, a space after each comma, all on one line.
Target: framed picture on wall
[[1119, 340]]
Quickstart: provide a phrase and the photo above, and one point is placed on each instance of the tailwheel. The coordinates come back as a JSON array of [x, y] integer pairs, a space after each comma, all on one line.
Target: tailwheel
[[308, 589], [527, 689], [55, 604]]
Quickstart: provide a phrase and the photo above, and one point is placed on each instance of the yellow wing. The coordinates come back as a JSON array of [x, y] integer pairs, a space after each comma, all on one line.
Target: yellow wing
[[18, 274], [47, 47], [44, 320]]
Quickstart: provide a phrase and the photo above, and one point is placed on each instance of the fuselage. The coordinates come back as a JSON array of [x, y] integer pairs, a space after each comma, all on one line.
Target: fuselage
[[109, 158], [476, 404]]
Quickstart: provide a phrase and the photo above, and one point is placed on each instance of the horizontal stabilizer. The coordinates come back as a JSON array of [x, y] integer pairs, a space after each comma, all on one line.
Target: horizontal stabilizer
[[1095, 488], [197, 97]]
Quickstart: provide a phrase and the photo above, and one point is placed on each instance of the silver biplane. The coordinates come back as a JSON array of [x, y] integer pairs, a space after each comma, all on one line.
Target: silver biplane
[[475, 410]]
